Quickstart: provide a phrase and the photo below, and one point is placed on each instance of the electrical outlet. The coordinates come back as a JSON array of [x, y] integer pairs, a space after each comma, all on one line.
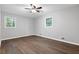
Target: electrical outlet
[[62, 38], [40, 34]]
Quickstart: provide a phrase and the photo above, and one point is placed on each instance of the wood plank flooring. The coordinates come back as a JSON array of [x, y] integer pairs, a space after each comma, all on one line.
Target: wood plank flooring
[[37, 45]]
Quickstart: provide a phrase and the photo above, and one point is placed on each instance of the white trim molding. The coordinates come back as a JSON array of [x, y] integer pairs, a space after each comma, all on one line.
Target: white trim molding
[[74, 43], [16, 37]]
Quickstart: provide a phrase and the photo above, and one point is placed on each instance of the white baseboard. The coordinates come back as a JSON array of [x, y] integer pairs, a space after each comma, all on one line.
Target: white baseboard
[[16, 37], [58, 39], [41, 36]]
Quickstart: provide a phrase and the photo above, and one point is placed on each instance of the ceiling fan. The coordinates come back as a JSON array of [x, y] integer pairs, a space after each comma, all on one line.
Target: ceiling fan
[[34, 9]]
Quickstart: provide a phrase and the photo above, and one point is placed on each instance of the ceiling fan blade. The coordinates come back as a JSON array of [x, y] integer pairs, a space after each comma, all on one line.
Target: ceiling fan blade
[[33, 6], [39, 8], [28, 8]]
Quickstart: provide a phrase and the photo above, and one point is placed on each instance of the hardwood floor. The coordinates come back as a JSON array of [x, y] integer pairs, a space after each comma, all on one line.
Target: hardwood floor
[[37, 45]]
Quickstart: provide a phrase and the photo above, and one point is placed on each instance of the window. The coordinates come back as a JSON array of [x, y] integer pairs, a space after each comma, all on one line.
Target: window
[[9, 22], [49, 22]]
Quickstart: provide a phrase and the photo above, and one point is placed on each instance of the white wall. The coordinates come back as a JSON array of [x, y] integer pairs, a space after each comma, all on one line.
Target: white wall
[[66, 24], [24, 27], [0, 26], [0, 23]]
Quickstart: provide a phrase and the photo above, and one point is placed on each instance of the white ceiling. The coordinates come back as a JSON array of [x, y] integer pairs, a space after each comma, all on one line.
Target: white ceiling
[[18, 9]]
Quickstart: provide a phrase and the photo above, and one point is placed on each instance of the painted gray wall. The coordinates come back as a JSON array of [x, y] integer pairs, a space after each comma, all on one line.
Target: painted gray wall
[[24, 27], [66, 24]]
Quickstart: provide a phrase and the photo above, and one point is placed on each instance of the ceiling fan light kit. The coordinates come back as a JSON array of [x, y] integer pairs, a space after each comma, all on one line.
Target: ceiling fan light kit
[[34, 8], [33, 11]]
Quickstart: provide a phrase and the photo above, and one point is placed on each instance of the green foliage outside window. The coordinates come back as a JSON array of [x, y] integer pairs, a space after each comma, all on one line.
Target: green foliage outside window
[[9, 21], [49, 21]]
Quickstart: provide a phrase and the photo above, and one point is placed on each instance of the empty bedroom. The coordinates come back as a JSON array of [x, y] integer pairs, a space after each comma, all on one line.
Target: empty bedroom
[[39, 29]]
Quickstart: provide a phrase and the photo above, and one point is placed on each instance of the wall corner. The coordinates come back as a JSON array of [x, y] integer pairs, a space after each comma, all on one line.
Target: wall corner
[[0, 43]]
